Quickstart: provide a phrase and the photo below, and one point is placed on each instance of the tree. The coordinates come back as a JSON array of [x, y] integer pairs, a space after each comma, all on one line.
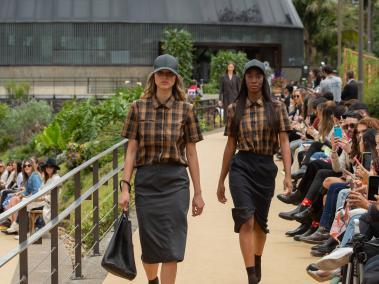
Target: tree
[[221, 60], [178, 43], [320, 28]]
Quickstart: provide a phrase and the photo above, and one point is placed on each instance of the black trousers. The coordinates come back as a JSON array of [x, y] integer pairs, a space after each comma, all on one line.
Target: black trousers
[[312, 180]]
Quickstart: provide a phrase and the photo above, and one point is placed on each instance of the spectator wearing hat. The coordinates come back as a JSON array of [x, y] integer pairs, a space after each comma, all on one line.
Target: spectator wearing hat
[[163, 130], [51, 176], [256, 124]]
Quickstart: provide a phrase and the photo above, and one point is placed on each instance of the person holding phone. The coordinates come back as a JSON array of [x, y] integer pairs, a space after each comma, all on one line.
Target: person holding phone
[[256, 126], [163, 130]]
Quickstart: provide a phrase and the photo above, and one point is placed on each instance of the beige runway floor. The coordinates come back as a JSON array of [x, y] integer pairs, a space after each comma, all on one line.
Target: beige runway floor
[[213, 255]]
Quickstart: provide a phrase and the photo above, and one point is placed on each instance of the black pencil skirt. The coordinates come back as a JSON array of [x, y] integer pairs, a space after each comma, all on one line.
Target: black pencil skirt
[[162, 203], [252, 186]]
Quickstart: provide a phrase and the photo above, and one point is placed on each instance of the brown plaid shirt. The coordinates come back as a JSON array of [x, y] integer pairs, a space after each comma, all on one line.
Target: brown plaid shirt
[[162, 130], [254, 134]]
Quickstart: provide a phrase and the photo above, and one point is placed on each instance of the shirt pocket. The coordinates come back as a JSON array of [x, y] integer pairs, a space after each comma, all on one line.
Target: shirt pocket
[[175, 131], [147, 131]]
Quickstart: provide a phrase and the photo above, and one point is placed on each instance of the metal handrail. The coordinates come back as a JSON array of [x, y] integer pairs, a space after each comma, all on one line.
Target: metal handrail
[[47, 189], [37, 235]]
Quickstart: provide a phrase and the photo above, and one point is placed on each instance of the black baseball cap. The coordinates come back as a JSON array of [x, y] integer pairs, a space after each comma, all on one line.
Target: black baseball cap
[[166, 62], [255, 63]]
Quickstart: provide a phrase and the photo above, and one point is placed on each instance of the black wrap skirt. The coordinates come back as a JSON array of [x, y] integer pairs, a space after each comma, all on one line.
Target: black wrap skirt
[[252, 186], [162, 203]]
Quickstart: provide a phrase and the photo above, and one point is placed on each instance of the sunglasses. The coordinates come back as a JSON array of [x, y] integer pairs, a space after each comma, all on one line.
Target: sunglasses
[[296, 97], [349, 125], [27, 165]]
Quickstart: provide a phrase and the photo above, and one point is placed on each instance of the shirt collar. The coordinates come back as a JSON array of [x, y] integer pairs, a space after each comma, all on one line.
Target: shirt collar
[[249, 103], [168, 104]]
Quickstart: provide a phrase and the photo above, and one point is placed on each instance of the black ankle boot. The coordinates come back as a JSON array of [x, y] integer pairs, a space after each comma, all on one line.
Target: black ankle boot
[[251, 274], [155, 281]]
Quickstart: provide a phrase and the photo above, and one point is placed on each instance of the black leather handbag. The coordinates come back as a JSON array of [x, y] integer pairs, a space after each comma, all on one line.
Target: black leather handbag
[[118, 258]]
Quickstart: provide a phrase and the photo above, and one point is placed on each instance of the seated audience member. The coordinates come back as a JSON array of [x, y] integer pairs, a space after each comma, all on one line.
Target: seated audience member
[[32, 182]]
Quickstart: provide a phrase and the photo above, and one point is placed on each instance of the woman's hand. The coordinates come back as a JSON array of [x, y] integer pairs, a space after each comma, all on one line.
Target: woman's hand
[[362, 173], [124, 199], [357, 199], [377, 202], [197, 204], [221, 193], [287, 185], [344, 145]]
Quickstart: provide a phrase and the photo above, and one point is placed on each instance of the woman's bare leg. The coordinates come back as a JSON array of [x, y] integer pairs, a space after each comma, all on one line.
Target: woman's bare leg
[[168, 272], [151, 270], [247, 242]]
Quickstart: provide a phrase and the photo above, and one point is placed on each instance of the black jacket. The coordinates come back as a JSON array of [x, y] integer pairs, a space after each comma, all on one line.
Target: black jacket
[[350, 91], [229, 89]]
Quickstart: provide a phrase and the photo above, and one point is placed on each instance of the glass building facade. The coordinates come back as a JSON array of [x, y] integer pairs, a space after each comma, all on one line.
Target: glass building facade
[[127, 43]]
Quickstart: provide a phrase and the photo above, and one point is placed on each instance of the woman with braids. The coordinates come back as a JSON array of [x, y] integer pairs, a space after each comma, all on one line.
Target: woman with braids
[[162, 129], [256, 127]]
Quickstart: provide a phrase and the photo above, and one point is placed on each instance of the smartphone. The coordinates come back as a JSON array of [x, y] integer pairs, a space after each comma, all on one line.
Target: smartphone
[[366, 160], [337, 132], [373, 187]]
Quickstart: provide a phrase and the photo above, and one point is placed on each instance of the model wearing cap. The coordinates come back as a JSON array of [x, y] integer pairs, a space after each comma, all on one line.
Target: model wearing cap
[[162, 130], [256, 126]]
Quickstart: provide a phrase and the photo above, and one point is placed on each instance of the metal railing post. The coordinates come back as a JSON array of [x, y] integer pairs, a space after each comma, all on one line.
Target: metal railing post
[[54, 237], [95, 206], [115, 187], [23, 235], [78, 230]]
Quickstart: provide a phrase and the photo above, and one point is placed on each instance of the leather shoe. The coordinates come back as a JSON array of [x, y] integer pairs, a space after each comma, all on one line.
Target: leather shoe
[[299, 173], [298, 231], [309, 232], [312, 267], [317, 237], [326, 248], [293, 198], [289, 215], [304, 214]]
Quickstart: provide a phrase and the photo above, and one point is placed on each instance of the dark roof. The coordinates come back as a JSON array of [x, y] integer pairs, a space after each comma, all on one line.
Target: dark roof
[[246, 12]]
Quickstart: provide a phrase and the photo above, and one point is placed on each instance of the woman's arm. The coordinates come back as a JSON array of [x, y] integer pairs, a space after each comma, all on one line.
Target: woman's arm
[[127, 173], [193, 165], [229, 151], [286, 155]]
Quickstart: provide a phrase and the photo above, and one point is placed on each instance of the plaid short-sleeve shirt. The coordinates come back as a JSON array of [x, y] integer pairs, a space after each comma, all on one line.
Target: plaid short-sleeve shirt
[[254, 132], [162, 130]]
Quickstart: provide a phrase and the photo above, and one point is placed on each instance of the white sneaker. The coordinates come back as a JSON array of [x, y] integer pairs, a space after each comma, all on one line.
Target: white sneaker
[[17, 237], [322, 276], [337, 258], [13, 228]]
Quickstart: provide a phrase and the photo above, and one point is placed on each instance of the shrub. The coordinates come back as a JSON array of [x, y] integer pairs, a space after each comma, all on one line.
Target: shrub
[[23, 122], [372, 98], [211, 88], [17, 91], [220, 61], [178, 43]]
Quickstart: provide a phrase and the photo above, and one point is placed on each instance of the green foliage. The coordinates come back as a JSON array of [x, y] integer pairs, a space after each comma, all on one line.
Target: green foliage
[[211, 88], [17, 91], [372, 98], [178, 43], [220, 61], [23, 122], [4, 110], [90, 125], [375, 29], [319, 18], [50, 140]]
